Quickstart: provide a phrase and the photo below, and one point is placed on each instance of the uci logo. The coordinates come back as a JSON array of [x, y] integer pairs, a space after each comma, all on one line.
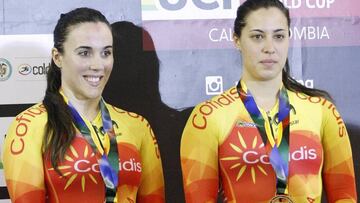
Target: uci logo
[[201, 4], [188, 9]]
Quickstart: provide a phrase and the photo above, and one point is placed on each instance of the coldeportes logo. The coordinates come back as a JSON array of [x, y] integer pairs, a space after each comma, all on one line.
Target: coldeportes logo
[[25, 69], [5, 69], [188, 9]]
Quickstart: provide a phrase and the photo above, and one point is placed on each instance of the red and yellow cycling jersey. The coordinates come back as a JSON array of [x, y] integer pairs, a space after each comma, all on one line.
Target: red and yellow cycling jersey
[[30, 176], [222, 145]]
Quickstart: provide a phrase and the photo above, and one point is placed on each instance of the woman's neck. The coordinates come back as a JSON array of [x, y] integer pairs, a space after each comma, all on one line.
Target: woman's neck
[[88, 108], [265, 93]]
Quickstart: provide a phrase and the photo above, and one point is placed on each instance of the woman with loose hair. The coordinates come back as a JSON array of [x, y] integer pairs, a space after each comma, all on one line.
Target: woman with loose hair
[[75, 147], [267, 139]]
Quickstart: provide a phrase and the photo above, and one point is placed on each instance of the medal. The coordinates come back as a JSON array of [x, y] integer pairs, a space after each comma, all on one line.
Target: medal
[[282, 199], [108, 163], [279, 154]]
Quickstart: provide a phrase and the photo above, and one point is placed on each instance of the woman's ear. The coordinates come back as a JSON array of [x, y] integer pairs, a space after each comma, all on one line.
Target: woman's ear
[[236, 39], [56, 57]]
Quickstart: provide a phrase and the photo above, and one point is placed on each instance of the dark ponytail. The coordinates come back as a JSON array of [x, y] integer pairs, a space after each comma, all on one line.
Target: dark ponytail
[[292, 85], [59, 130]]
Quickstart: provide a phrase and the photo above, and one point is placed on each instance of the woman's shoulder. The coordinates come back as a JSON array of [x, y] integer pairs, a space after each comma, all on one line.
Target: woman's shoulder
[[34, 116], [219, 102], [27, 127], [306, 99], [314, 105], [127, 118]]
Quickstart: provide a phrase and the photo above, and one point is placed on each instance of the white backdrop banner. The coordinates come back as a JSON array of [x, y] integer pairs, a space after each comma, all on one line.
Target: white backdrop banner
[[24, 61]]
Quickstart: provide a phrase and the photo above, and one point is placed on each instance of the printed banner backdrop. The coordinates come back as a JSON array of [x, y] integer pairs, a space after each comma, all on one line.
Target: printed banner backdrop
[[25, 60], [193, 41]]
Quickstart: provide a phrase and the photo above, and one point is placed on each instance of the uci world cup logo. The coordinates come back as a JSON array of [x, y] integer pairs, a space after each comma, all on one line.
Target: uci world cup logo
[[188, 9], [5, 69]]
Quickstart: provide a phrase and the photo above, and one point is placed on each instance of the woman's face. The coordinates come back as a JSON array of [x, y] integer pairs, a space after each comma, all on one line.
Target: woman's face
[[264, 44], [87, 60]]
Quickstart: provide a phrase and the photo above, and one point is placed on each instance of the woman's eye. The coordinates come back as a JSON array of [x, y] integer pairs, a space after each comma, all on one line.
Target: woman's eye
[[84, 53], [107, 53], [257, 37], [279, 37]]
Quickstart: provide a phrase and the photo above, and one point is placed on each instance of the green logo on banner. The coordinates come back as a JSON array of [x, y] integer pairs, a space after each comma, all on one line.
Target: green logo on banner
[[1, 165]]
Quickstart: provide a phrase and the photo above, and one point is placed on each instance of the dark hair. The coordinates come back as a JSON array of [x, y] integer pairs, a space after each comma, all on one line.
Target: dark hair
[[59, 130], [240, 22]]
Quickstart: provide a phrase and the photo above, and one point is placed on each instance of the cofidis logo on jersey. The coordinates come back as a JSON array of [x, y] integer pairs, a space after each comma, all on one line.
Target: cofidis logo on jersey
[[5, 69], [188, 9]]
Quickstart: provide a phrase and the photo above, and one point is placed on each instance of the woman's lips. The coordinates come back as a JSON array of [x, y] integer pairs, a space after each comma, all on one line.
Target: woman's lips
[[93, 80], [268, 62]]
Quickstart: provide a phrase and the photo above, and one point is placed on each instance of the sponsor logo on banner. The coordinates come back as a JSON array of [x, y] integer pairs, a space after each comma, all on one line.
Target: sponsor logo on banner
[[36, 70], [188, 9], [214, 85], [5, 69], [226, 9], [309, 83], [224, 34], [311, 4], [309, 33], [25, 69], [209, 23], [29, 56]]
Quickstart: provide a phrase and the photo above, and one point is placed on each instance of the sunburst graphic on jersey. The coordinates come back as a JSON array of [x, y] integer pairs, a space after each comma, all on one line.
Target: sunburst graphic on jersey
[[236, 159], [70, 174]]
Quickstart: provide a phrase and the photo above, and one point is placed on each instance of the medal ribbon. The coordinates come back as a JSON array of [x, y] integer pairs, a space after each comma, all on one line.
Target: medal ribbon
[[279, 154], [109, 164]]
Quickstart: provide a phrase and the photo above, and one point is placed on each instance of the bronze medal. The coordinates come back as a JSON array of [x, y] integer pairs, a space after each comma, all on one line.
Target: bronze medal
[[281, 199]]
